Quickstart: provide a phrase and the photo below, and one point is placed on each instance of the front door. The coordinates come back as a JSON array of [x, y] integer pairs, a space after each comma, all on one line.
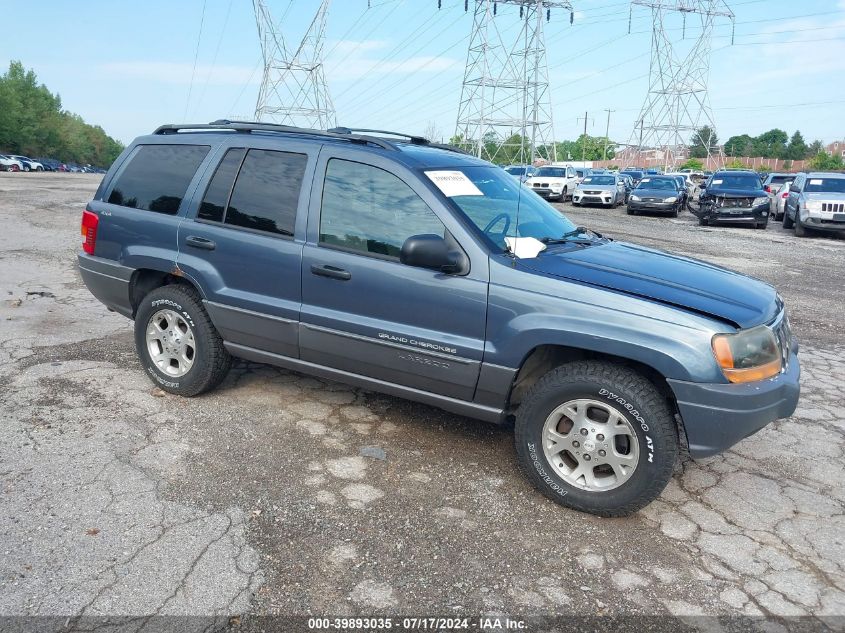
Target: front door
[[365, 312]]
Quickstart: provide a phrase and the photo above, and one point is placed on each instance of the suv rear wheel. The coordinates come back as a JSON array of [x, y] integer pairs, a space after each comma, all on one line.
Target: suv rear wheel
[[597, 437], [177, 344]]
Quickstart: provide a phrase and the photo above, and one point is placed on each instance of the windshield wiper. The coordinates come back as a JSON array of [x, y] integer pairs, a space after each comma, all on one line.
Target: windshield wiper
[[566, 238]]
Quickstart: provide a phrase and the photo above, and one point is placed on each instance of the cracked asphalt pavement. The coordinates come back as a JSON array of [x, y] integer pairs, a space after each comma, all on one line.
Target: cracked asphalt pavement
[[279, 493]]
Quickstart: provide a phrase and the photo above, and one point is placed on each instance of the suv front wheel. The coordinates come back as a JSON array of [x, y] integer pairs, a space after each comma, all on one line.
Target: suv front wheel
[[597, 437], [177, 344]]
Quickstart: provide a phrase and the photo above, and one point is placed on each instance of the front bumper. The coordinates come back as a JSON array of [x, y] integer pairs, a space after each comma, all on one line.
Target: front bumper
[[748, 215], [651, 206], [717, 416], [827, 223], [596, 198], [547, 193]]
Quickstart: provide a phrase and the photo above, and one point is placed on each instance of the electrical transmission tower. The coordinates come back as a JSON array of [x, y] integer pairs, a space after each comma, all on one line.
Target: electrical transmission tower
[[293, 89], [677, 103], [505, 113]]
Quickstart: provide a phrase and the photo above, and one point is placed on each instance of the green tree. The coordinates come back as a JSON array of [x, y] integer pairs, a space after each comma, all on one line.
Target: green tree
[[814, 149], [797, 148], [694, 164], [742, 145], [32, 122], [736, 164], [825, 162], [771, 144], [703, 141]]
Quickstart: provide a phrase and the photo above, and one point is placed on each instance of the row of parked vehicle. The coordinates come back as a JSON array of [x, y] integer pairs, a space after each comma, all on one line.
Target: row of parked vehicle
[[14, 162], [805, 201], [808, 201]]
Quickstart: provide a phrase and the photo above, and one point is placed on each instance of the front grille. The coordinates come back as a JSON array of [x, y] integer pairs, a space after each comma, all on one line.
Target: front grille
[[593, 193], [652, 199], [833, 207], [734, 203], [544, 184]]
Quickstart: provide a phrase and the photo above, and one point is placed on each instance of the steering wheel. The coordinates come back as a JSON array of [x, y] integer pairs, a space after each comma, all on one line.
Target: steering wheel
[[496, 220]]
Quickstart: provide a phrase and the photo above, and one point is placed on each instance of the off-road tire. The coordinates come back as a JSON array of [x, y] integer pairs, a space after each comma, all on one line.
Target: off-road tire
[[800, 229], [211, 360], [633, 396], [787, 220]]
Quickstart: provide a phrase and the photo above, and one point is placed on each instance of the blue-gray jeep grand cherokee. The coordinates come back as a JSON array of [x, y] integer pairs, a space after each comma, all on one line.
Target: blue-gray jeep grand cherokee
[[418, 271]]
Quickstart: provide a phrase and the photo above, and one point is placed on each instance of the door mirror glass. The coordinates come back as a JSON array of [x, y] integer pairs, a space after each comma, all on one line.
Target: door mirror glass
[[430, 251]]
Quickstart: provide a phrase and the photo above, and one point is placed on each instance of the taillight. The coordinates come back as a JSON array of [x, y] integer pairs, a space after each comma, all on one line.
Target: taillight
[[768, 189], [784, 195], [89, 231]]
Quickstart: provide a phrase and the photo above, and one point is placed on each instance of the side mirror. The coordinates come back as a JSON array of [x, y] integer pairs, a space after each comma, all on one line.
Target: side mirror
[[431, 251]]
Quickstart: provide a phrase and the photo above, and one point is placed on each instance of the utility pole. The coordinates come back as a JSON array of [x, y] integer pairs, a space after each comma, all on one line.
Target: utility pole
[[677, 102], [505, 90], [606, 133], [584, 143], [293, 88]]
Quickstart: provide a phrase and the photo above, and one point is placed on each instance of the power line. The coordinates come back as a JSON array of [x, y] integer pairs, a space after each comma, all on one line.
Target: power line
[[196, 55], [214, 60]]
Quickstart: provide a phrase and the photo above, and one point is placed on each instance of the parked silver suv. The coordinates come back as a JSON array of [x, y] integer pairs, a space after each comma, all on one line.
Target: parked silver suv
[[816, 202]]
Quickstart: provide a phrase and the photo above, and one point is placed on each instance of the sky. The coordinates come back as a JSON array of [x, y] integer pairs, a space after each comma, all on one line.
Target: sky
[[399, 64]]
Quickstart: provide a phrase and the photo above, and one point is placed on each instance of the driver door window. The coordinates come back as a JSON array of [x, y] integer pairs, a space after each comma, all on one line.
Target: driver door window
[[370, 211]]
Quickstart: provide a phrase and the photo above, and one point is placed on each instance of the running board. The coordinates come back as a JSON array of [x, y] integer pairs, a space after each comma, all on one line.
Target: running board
[[453, 405]]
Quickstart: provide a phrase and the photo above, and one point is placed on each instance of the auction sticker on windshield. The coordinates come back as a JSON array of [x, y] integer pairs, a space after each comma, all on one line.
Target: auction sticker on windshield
[[453, 183], [816, 181]]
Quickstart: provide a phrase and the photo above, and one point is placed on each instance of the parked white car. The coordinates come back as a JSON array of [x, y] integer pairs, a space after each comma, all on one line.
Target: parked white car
[[553, 183], [777, 203], [27, 163], [7, 163]]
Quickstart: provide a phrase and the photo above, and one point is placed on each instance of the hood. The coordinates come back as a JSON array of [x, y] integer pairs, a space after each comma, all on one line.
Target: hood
[[534, 179], [736, 193], [825, 196], [655, 193], [588, 185], [670, 279]]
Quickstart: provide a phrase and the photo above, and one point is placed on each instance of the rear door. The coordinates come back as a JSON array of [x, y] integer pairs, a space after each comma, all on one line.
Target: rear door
[[242, 241], [365, 312]]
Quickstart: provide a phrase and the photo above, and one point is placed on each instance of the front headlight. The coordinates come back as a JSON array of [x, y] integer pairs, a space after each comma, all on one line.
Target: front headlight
[[748, 355], [672, 199], [635, 198], [758, 201]]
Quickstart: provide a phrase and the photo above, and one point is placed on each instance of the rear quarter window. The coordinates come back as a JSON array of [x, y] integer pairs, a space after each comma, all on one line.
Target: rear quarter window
[[157, 177]]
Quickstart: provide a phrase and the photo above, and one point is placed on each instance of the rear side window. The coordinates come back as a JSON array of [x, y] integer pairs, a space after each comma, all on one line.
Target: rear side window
[[369, 210], [264, 197], [157, 177], [217, 195]]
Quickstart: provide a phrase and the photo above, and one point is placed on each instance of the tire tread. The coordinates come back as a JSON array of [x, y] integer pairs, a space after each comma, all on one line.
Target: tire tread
[[621, 379]]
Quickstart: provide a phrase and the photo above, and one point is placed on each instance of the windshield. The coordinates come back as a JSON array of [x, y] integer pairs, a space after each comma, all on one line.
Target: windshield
[[776, 180], [551, 172], [735, 181], [600, 180], [494, 209], [832, 185], [633, 174], [516, 171], [658, 183]]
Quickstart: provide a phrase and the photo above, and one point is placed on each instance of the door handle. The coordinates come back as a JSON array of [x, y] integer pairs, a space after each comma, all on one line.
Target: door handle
[[200, 242], [331, 271]]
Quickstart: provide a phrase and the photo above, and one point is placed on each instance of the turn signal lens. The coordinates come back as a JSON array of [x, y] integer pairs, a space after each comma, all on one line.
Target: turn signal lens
[[748, 355]]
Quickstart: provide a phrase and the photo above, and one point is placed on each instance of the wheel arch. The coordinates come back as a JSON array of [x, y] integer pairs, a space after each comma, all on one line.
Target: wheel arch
[[543, 358], [145, 280]]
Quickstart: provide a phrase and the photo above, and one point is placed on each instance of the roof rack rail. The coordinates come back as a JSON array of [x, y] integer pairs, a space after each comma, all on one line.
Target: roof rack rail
[[413, 138], [255, 126]]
